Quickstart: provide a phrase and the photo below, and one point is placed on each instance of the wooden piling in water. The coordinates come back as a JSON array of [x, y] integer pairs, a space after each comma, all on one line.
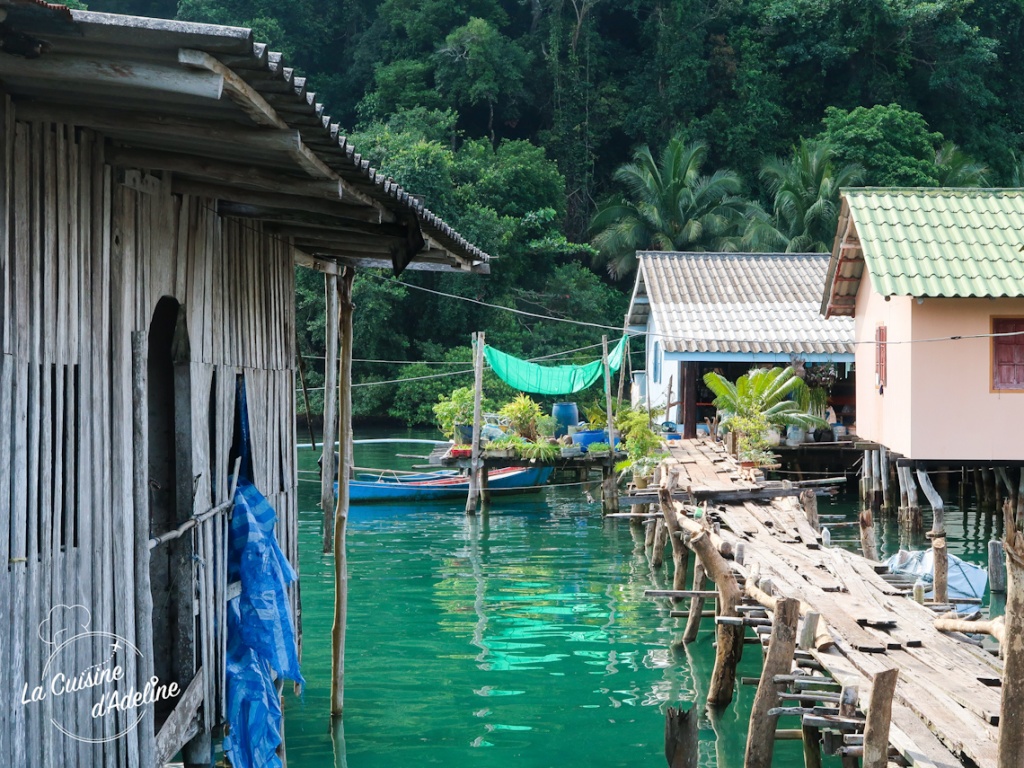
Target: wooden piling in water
[[940, 558], [1011, 711], [680, 552], [696, 603], [879, 714], [996, 567], [327, 463], [730, 638], [809, 502], [478, 386], [778, 661], [660, 540], [610, 487], [341, 510]]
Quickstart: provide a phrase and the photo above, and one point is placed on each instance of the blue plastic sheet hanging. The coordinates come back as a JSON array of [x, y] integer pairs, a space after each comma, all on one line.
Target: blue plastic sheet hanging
[[261, 634]]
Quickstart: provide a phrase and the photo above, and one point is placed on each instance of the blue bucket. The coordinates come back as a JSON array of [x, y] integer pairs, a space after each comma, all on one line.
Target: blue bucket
[[565, 415]]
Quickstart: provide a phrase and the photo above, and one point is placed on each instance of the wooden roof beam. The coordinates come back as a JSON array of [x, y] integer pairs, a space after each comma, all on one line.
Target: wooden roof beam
[[271, 201], [239, 91], [113, 73], [232, 174], [339, 219]]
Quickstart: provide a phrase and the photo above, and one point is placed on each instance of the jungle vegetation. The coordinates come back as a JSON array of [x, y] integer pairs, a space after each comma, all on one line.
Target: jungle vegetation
[[562, 135]]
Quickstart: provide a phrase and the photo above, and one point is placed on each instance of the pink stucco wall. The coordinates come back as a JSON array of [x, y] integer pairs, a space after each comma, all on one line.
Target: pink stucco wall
[[938, 402]]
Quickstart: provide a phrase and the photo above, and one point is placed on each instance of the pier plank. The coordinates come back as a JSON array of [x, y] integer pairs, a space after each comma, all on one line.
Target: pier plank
[[939, 720]]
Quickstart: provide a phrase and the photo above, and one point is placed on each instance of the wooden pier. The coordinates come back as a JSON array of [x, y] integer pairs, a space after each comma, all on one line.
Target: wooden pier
[[856, 627]]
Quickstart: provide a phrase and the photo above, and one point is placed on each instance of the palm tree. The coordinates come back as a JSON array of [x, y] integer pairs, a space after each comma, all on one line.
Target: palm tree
[[669, 206], [954, 168], [762, 393], [805, 201]]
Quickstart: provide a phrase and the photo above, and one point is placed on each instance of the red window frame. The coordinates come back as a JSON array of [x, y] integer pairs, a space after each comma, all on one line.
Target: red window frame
[[1007, 355]]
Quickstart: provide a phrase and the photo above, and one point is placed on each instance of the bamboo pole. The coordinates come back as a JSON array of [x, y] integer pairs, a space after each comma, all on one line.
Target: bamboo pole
[[341, 511], [879, 714], [140, 500], [622, 373], [609, 487], [478, 386], [305, 395], [327, 466], [778, 661]]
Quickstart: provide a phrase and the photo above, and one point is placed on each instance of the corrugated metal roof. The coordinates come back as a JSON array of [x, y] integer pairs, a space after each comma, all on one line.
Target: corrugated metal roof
[[263, 116], [941, 242], [738, 302]]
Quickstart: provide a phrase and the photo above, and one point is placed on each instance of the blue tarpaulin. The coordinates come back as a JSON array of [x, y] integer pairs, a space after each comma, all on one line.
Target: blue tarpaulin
[[261, 633]]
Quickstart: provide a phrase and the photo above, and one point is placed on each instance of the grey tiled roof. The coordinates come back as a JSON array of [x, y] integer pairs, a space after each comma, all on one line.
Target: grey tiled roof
[[739, 303]]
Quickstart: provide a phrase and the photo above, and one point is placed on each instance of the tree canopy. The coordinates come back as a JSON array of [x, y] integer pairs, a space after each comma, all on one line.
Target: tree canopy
[[560, 135]]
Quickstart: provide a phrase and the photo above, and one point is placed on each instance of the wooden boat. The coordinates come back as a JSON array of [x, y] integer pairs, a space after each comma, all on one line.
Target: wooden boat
[[443, 484]]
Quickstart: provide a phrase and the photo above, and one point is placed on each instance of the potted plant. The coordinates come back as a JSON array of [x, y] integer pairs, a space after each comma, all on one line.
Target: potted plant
[[506, 447], [455, 410], [523, 414], [541, 451], [642, 445], [597, 450], [756, 402], [460, 451]]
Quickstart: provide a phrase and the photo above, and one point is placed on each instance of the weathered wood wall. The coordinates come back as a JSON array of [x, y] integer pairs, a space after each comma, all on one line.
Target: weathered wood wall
[[86, 252]]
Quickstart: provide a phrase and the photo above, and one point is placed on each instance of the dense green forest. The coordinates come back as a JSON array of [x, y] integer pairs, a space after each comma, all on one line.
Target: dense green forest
[[561, 135]]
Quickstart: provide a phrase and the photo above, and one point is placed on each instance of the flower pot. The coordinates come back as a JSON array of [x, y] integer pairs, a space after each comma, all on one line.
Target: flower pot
[[641, 481]]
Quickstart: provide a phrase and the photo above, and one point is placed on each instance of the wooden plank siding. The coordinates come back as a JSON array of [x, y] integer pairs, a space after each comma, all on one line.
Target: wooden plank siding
[[88, 251]]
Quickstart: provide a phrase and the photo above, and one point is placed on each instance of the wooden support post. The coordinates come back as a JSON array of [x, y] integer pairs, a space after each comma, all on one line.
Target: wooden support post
[[809, 501], [809, 630], [914, 518], [478, 386], [730, 638], [940, 592], [962, 490], [688, 398], [902, 511], [305, 396], [680, 553], [848, 708], [327, 465], [812, 746], [778, 661], [681, 737], [623, 366], [140, 501], [485, 491], [660, 540], [341, 511], [876, 481], [883, 458], [696, 603], [610, 488], [865, 479], [996, 567], [876, 730], [1011, 711], [868, 543], [935, 500]]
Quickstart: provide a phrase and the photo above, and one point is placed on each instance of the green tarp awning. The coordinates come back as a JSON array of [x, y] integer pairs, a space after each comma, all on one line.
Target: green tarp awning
[[550, 379]]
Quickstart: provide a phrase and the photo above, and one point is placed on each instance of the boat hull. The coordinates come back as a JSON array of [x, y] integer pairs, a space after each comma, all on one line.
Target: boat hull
[[504, 481]]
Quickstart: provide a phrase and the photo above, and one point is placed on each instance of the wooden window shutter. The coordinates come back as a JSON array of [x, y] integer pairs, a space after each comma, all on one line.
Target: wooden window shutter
[[880, 357], [1008, 353]]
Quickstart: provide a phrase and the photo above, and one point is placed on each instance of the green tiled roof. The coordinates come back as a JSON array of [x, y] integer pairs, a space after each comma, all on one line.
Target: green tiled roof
[[941, 242]]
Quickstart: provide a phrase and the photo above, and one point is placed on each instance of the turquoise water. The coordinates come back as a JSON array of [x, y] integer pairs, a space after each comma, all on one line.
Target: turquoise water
[[521, 639]]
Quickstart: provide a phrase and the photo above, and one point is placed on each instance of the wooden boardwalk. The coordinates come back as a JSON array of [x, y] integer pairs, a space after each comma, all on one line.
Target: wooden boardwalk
[[945, 710]]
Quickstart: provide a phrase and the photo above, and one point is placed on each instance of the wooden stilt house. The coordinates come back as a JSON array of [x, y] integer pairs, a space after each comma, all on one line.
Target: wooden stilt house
[[159, 181]]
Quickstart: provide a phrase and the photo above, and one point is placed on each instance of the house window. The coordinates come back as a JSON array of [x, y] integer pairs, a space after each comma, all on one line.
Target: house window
[[657, 362], [880, 358], [1008, 353]]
